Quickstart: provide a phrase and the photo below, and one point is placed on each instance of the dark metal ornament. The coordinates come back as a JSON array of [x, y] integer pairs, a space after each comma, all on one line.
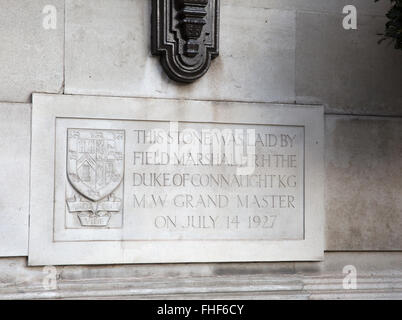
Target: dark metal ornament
[[185, 33]]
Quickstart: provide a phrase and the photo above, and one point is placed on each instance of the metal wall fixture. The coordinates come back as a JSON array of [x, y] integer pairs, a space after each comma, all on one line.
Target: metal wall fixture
[[185, 34]]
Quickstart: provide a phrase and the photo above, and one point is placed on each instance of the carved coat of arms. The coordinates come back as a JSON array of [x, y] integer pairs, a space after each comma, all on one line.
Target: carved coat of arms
[[95, 169]]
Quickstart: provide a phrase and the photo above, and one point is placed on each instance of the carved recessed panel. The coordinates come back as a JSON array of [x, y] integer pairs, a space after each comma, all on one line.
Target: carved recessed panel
[[185, 33]]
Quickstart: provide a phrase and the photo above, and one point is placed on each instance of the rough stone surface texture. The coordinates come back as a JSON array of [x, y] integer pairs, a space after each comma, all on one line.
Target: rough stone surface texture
[[31, 57], [364, 183], [15, 119], [379, 276]]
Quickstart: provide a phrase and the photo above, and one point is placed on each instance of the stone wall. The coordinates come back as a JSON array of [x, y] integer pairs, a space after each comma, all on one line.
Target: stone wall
[[379, 277], [271, 51]]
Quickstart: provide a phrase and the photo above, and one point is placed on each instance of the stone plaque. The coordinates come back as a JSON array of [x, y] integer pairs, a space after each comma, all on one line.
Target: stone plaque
[[118, 180]]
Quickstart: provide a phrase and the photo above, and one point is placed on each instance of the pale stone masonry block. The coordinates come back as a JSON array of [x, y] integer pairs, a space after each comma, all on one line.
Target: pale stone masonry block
[[14, 176], [363, 188], [363, 183], [318, 6], [262, 56], [31, 57], [108, 53], [379, 277], [347, 69]]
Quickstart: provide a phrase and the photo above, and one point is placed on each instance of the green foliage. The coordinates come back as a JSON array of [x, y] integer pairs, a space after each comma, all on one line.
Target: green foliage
[[393, 28]]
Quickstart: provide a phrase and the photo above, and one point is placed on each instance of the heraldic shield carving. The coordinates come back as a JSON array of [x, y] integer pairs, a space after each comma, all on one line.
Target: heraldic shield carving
[[95, 169], [185, 33]]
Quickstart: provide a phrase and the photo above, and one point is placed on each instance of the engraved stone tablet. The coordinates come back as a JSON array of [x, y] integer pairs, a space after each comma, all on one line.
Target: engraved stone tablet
[[116, 180]]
